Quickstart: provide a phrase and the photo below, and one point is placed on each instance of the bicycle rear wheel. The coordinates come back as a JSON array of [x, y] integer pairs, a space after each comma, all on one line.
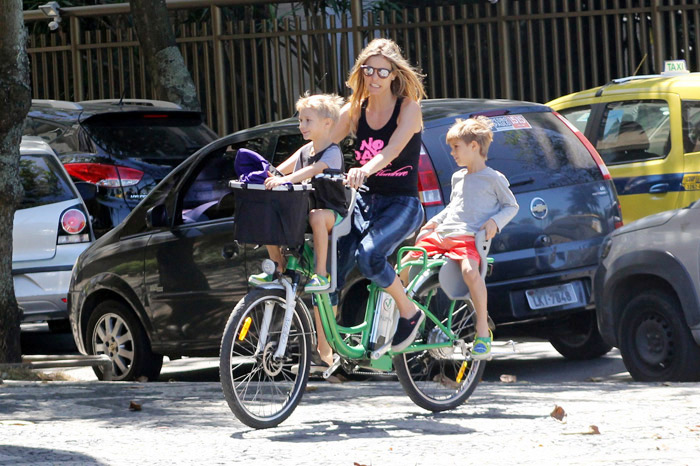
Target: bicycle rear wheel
[[261, 391], [442, 378]]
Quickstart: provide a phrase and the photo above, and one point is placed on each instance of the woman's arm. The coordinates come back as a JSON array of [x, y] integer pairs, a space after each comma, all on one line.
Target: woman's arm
[[410, 121], [342, 127]]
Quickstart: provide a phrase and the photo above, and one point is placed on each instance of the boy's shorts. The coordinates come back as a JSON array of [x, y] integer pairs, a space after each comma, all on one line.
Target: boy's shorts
[[454, 247]]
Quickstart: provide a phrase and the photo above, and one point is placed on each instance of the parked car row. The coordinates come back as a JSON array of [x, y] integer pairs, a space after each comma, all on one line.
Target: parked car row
[[164, 279]]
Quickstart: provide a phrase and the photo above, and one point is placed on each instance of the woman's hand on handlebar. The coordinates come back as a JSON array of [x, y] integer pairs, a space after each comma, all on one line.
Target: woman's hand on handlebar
[[356, 177]]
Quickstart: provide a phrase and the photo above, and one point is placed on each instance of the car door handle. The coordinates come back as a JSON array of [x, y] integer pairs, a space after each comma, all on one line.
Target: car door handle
[[659, 188], [230, 251]]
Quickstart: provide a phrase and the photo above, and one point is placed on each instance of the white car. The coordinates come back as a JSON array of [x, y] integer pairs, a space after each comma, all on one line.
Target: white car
[[51, 228]]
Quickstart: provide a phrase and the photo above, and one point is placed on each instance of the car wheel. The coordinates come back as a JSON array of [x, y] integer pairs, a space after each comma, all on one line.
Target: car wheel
[[583, 341], [115, 331], [655, 341]]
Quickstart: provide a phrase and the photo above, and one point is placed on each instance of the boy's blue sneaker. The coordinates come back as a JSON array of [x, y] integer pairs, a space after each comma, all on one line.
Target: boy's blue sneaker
[[261, 278], [318, 283], [481, 351]]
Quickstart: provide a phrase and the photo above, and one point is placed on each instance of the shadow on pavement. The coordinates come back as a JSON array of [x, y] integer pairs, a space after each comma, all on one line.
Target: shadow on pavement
[[24, 455]]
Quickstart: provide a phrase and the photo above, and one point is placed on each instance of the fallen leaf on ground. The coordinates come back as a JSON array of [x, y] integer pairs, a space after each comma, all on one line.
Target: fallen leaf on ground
[[445, 381], [558, 413], [142, 379], [133, 406], [595, 379], [592, 430], [508, 378]]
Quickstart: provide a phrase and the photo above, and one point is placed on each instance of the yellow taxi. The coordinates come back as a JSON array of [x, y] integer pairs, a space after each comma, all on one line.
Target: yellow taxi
[[647, 130]]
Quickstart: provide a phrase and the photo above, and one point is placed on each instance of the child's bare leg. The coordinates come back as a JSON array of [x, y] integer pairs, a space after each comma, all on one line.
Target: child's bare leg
[[321, 221], [323, 347], [477, 290], [275, 253]]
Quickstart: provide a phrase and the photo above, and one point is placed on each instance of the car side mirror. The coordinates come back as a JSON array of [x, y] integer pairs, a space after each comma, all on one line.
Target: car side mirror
[[157, 216], [87, 191]]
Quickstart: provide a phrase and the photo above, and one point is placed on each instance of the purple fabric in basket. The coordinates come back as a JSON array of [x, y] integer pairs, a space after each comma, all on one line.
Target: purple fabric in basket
[[251, 166]]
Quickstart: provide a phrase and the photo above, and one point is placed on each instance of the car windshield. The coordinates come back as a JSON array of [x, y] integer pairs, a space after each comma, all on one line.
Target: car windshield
[[152, 135], [43, 181], [538, 151]]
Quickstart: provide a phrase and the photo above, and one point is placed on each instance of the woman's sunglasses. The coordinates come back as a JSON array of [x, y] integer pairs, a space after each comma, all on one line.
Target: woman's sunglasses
[[381, 72]]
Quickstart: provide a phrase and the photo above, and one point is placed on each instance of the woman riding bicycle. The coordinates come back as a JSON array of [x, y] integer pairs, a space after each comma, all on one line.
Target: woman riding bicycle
[[385, 117]]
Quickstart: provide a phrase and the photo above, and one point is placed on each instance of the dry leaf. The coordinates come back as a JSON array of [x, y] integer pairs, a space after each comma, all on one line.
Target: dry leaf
[[558, 413], [592, 430], [133, 406], [507, 378], [142, 379]]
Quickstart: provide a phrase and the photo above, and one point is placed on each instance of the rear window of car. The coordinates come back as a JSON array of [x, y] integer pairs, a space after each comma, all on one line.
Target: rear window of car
[[149, 134], [535, 151], [43, 181]]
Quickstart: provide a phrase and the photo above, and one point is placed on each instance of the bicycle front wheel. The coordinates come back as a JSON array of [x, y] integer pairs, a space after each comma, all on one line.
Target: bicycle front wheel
[[261, 390], [441, 378]]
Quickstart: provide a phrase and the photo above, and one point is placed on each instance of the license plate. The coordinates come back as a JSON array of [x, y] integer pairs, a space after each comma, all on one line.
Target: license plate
[[551, 296]]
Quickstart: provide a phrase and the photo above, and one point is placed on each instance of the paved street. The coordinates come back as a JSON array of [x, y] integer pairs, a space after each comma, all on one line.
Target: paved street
[[365, 423]]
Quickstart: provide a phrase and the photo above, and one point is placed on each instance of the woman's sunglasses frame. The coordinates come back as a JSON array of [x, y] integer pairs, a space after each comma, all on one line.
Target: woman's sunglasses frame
[[369, 71]]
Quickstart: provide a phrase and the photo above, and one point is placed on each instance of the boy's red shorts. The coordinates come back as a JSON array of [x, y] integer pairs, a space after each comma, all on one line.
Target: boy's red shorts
[[454, 247]]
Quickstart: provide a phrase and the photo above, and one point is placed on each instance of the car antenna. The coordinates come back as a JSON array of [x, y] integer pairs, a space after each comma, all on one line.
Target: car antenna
[[121, 99]]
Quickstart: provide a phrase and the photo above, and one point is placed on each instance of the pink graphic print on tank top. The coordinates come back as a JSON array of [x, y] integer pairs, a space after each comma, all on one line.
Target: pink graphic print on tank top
[[370, 148]]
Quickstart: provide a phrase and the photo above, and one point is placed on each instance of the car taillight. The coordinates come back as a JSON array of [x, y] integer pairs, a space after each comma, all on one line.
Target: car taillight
[[428, 184], [73, 229], [111, 176], [594, 153]]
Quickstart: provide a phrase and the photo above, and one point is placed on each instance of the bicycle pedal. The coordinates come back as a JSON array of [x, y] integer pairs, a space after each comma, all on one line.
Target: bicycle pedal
[[336, 364]]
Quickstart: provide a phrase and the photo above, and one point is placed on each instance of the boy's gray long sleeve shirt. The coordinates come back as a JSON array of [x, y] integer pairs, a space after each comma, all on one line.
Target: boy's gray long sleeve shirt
[[476, 197]]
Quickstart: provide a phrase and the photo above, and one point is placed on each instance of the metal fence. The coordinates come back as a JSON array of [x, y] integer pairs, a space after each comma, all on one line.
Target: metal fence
[[249, 67]]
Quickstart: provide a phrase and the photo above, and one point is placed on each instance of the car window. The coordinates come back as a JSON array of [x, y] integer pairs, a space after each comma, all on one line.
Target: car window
[[62, 139], [43, 181], [691, 126], [578, 116], [533, 150], [149, 136], [207, 195], [287, 144], [632, 131], [259, 145]]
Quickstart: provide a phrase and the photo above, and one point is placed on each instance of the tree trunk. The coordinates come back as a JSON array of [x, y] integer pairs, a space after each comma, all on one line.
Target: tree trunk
[[16, 93], [164, 63]]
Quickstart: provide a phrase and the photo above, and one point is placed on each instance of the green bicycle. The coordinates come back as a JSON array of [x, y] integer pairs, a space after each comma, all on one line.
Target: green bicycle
[[267, 343]]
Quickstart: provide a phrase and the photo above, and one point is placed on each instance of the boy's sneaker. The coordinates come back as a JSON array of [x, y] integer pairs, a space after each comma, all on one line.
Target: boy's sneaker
[[406, 331], [482, 349], [261, 278], [318, 283]]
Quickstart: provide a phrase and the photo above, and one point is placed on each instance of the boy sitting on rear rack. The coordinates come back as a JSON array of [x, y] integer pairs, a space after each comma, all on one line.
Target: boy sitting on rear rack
[[480, 200], [317, 116]]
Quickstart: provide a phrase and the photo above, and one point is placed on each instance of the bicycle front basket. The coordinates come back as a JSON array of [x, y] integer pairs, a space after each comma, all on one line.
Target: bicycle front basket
[[277, 217]]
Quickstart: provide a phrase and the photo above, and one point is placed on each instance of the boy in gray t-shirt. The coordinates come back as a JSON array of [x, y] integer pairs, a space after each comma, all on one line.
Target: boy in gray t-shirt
[[480, 200]]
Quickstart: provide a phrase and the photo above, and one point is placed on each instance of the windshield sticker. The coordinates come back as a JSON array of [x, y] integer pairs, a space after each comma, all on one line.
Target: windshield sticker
[[509, 122]]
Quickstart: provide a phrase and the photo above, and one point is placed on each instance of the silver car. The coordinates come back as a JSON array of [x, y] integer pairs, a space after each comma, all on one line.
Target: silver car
[[647, 291], [51, 228]]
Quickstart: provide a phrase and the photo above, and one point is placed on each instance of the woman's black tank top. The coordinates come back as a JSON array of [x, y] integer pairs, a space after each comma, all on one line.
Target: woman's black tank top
[[400, 177]]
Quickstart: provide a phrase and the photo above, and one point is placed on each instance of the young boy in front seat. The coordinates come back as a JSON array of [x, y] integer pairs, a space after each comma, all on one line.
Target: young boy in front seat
[[480, 200], [317, 116]]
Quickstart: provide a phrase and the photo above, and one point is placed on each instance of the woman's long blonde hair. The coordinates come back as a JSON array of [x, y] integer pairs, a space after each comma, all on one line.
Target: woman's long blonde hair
[[408, 82]]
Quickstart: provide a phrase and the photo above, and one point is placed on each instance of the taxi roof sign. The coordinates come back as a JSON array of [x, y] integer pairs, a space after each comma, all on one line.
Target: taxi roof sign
[[674, 68]]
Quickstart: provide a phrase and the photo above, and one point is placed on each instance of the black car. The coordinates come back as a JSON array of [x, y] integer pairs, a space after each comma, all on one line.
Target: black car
[[123, 147], [165, 280]]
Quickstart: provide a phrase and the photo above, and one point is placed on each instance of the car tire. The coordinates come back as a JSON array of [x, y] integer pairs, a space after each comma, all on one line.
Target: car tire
[[583, 343], [113, 329], [655, 342]]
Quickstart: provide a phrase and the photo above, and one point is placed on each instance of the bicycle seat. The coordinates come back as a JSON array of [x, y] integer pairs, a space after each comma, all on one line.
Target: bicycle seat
[[450, 277]]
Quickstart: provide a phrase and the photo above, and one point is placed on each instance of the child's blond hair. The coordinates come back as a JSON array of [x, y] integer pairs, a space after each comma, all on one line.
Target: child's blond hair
[[477, 129], [325, 105]]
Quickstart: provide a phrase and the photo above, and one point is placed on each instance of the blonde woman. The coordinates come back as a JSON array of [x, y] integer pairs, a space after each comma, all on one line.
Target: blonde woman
[[384, 115]]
